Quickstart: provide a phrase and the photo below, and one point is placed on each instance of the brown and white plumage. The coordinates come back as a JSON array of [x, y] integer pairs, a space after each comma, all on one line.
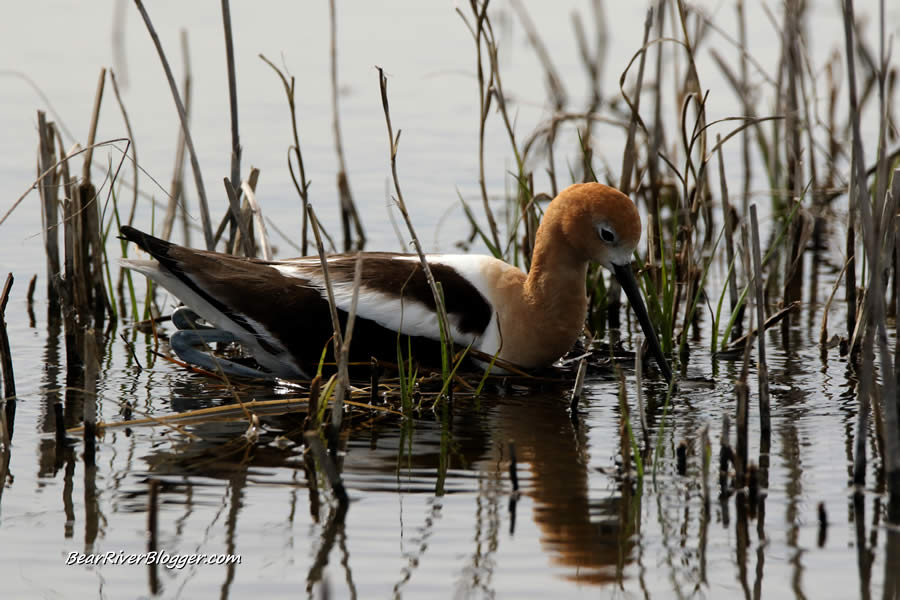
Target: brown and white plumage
[[278, 309]]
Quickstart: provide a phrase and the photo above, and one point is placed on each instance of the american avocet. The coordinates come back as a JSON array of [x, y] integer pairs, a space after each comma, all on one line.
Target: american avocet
[[279, 312]]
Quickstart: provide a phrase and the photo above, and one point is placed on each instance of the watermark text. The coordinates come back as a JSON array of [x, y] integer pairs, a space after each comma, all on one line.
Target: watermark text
[[161, 557]]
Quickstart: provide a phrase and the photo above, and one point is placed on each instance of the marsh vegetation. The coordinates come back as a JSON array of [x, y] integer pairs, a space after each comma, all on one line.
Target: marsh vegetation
[[761, 151]]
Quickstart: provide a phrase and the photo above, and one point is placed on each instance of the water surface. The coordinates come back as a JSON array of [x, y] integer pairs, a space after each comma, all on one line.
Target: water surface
[[430, 512]]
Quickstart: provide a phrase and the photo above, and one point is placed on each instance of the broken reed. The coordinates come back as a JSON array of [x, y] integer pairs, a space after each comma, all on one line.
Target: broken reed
[[76, 287]]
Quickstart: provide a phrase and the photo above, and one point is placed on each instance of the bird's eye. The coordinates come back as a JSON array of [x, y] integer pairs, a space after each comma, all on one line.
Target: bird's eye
[[607, 235]]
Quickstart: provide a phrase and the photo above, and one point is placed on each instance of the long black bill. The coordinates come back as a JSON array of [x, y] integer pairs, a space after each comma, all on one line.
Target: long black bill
[[625, 276]]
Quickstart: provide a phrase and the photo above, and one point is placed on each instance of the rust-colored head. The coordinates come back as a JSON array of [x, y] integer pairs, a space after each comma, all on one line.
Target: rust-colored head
[[597, 222]]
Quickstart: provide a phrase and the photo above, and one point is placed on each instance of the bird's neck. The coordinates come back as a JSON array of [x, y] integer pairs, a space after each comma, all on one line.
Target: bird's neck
[[556, 280]]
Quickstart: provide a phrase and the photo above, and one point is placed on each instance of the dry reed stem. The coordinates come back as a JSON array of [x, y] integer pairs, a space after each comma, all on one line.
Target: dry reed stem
[[762, 369], [234, 199], [134, 157], [348, 207], [823, 331], [176, 187], [343, 382], [857, 180], [730, 228], [227, 412], [793, 269], [49, 192], [874, 312], [232, 102], [244, 234], [85, 242], [578, 388], [195, 165], [889, 379], [495, 90], [479, 33], [401, 205], [629, 157], [6, 365], [742, 391], [885, 223], [772, 320], [303, 186], [745, 101], [262, 236], [92, 129], [657, 143], [338, 338]]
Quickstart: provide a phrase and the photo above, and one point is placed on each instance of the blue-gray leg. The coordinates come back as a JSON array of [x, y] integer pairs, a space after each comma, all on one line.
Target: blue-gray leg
[[191, 336]]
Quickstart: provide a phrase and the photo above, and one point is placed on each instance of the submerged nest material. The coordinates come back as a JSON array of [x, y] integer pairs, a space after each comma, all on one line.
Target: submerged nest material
[[382, 392]]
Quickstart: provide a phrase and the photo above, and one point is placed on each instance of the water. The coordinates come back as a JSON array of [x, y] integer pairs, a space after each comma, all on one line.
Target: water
[[430, 517]]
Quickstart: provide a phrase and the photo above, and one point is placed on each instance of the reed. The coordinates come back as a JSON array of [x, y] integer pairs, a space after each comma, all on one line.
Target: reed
[[761, 368], [244, 234], [294, 151], [87, 275], [629, 156], [182, 115], [6, 364], [480, 34], [349, 214], [341, 347], [443, 321], [728, 214], [577, 390], [878, 231], [49, 191], [176, 187], [233, 106]]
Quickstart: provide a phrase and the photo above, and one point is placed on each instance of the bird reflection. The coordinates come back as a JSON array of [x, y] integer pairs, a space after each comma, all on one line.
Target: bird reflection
[[588, 539], [578, 532]]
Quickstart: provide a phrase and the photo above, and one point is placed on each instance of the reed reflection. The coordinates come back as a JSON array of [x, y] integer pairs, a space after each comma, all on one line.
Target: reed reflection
[[588, 537]]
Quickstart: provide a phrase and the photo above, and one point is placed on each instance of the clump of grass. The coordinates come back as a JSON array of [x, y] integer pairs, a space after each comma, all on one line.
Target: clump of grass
[[878, 231]]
